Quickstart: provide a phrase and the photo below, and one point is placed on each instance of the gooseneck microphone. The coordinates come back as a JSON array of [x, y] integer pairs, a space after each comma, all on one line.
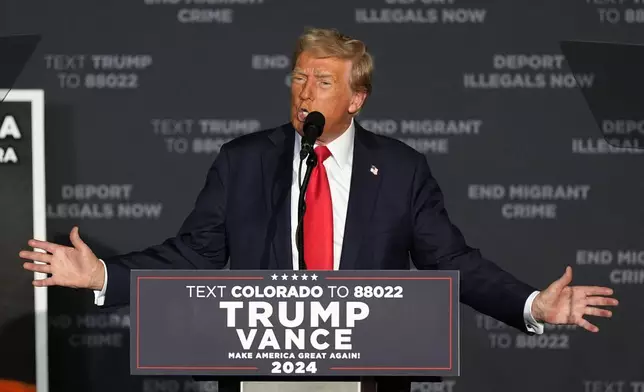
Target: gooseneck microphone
[[312, 129]]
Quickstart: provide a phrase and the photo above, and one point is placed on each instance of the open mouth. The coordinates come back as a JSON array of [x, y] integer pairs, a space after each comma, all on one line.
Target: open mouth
[[301, 114]]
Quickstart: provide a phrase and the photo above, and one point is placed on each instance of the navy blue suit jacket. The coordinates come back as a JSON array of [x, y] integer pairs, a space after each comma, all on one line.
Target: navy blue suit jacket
[[243, 214]]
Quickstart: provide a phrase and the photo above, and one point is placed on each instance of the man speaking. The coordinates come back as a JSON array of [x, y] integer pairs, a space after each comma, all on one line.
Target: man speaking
[[371, 203]]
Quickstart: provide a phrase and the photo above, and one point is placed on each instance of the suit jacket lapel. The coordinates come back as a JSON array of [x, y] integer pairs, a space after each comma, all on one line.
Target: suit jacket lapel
[[365, 183], [277, 169]]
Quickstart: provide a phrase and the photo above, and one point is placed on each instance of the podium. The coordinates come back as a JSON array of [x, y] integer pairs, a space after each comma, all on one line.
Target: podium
[[285, 330]]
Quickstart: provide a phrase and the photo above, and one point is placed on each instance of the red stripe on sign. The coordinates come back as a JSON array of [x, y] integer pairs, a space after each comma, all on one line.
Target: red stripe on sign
[[202, 277], [199, 367], [385, 278], [388, 368]]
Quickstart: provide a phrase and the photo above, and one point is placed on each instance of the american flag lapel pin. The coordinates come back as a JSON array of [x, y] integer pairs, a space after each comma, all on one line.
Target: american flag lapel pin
[[374, 170]]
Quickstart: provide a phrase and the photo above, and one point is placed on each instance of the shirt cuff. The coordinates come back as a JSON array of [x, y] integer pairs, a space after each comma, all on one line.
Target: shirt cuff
[[531, 324], [99, 296]]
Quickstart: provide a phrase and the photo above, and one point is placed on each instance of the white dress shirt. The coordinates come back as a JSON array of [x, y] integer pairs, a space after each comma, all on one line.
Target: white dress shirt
[[338, 167]]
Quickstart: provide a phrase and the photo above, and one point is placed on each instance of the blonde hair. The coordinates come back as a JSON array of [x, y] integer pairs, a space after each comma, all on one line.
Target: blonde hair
[[332, 43]]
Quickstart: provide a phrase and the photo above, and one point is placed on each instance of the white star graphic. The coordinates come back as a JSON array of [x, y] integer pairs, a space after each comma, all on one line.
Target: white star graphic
[[305, 277], [274, 277], [284, 277], [294, 277], [314, 277]]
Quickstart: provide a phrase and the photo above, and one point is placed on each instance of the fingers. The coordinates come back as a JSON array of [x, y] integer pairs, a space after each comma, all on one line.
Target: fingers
[[44, 282], [564, 281], [596, 290], [587, 326], [598, 312], [44, 245], [44, 268], [74, 236], [37, 256], [568, 275], [602, 301], [589, 310]]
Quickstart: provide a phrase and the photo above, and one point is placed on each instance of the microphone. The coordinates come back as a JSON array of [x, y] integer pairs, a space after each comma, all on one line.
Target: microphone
[[312, 129]]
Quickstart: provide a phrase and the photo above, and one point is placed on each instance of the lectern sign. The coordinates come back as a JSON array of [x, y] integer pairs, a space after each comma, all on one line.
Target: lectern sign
[[316, 323]]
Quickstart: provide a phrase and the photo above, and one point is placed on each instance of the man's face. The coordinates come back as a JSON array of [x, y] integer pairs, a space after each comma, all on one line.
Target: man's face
[[323, 85]]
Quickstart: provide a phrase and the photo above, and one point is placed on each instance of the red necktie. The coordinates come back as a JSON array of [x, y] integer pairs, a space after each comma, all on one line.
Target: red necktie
[[318, 218]]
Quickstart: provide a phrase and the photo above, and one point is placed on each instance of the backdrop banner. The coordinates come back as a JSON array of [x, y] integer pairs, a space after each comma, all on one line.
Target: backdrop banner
[[142, 94]]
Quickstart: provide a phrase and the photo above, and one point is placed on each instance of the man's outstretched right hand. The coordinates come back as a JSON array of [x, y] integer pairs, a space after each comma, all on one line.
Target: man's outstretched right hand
[[75, 267]]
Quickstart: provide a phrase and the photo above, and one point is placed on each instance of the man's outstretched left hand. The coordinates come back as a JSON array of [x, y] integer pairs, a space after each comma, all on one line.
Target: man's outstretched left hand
[[564, 304]]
